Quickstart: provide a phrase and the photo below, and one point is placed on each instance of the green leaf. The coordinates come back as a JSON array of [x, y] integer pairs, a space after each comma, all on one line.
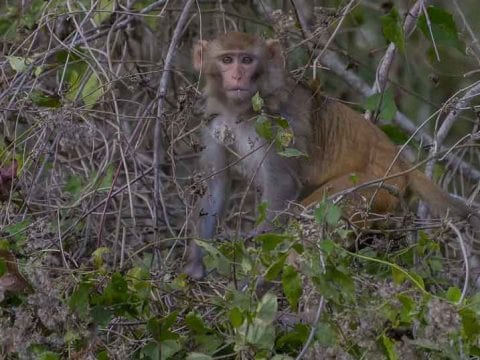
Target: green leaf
[[3, 266], [195, 323], [139, 279], [151, 351], [39, 70], [48, 355], [44, 100], [270, 241], [260, 334], [419, 280], [92, 91], [101, 315], [264, 128], [281, 122], [18, 231], [169, 348], [34, 13], [97, 256], [209, 343], [327, 212], [236, 317], [284, 137], [443, 28], [408, 308], [18, 63], [160, 328], [474, 302], [75, 71], [257, 102], [267, 308], [8, 28], [292, 286], [389, 347], [325, 334], [454, 294], [198, 356], [107, 179], [327, 246], [383, 104], [104, 10], [102, 355], [470, 324], [294, 339], [262, 213], [275, 268], [397, 135], [214, 259], [333, 215], [116, 292], [74, 186], [291, 152], [393, 29], [79, 300], [398, 276]]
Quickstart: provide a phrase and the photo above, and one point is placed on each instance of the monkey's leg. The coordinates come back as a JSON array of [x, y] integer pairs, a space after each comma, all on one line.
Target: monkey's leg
[[211, 206], [380, 199], [279, 187]]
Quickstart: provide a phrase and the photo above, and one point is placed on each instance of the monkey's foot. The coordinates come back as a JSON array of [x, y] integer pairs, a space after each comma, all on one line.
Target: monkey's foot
[[195, 270]]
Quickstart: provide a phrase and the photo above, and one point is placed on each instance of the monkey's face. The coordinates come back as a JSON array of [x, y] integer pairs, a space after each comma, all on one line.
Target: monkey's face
[[238, 71]]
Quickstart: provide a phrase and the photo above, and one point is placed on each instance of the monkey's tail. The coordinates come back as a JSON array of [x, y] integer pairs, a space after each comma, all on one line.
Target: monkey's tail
[[441, 204], [439, 201]]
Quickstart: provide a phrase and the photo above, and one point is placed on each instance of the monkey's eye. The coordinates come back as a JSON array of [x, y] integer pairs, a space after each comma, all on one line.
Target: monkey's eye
[[227, 59], [247, 60]]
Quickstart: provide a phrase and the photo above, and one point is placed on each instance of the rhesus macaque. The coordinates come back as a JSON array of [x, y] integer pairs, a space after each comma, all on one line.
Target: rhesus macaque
[[338, 142]]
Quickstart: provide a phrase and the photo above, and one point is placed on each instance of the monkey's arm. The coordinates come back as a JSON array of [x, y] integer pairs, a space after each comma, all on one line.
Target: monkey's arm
[[279, 185], [212, 204]]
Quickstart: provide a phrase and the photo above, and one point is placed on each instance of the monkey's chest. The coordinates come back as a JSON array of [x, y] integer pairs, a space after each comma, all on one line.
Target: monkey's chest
[[243, 145]]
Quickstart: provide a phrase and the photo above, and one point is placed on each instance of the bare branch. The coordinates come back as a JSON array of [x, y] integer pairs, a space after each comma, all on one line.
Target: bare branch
[[158, 149], [447, 124], [387, 60]]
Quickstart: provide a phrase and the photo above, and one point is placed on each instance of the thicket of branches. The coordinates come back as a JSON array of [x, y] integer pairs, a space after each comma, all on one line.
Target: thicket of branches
[[99, 176]]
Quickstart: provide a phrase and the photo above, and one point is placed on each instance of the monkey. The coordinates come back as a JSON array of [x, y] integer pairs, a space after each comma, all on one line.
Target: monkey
[[337, 141]]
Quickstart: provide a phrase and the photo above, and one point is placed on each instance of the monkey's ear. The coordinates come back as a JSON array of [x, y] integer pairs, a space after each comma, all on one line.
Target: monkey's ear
[[198, 53], [275, 52]]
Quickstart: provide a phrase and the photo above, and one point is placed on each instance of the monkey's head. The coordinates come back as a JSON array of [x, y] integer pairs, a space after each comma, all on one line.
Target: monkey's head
[[237, 65]]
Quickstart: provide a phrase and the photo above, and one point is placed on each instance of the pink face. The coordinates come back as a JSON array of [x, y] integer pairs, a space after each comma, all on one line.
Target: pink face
[[237, 69]]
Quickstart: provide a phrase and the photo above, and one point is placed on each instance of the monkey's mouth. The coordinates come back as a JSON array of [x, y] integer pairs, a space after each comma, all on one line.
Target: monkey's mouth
[[238, 92]]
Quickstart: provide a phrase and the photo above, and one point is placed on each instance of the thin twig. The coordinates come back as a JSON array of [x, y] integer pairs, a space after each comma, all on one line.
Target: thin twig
[[465, 259], [387, 60], [158, 150], [450, 119]]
